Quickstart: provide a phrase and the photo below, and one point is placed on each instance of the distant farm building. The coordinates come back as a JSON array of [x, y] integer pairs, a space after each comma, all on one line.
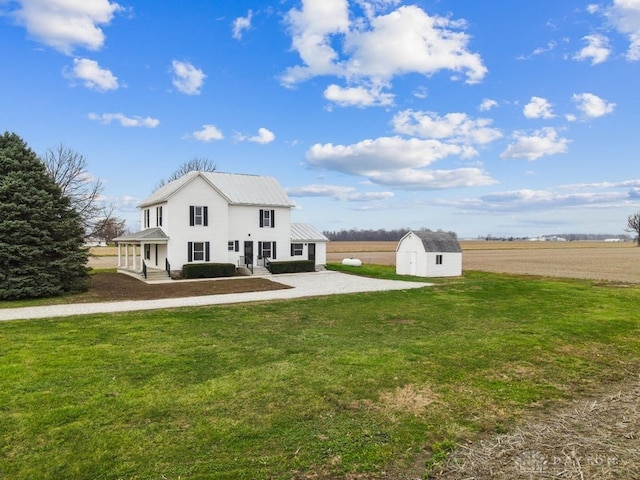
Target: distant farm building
[[429, 254]]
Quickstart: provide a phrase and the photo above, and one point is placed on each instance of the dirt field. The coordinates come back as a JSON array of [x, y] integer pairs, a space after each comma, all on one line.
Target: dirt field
[[617, 262]]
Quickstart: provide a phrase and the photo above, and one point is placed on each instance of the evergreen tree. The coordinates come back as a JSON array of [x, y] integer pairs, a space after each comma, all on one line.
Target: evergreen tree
[[41, 235]]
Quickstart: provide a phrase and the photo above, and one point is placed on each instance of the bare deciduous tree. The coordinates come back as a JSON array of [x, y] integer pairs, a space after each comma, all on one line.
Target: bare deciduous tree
[[69, 170], [199, 164], [633, 225], [111, 228]]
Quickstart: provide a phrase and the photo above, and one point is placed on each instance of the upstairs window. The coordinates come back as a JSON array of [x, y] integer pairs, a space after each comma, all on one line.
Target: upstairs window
[[146, 218], [267, 218], [158, 216], [198, 215]]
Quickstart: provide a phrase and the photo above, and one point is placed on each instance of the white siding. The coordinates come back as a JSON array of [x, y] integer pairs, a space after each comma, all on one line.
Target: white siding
[[180, 232], [244, 226], [412, 259]]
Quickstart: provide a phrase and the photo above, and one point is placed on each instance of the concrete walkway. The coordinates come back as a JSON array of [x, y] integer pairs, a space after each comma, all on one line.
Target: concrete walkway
[[304, 285]]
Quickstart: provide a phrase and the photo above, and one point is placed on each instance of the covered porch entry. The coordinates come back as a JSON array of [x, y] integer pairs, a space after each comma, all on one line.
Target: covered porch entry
[[144, 254]]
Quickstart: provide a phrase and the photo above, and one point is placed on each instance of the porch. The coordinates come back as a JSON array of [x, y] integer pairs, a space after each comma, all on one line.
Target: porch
[[144, 255]]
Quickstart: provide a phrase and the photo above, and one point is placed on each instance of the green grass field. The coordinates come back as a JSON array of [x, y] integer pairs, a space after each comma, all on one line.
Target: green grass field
[[313, 388]]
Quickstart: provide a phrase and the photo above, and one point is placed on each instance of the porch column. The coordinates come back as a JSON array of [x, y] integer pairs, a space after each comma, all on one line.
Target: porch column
[[134, 256], [126, 255], [119, 262]]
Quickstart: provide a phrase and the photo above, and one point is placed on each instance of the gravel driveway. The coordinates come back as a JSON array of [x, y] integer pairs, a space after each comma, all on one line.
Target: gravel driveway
[[304, 285]]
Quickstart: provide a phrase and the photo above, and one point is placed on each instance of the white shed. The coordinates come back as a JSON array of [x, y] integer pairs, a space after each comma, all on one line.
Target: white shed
[[429, 254]]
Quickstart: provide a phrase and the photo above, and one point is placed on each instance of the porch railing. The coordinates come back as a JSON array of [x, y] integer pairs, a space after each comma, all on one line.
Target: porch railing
[[167, 266], [243, 262], [144, 269]]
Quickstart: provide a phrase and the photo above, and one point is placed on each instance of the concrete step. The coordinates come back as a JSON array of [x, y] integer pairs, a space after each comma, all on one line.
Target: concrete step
[[153, 274], [260, 271]]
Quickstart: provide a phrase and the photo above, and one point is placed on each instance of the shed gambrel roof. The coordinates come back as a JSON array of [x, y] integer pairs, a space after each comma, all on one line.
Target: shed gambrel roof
[[303, 232], [438, 241], [238, 189]]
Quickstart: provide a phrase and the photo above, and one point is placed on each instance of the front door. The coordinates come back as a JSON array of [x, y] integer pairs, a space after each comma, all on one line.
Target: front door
[[248, 253], [312, 251]]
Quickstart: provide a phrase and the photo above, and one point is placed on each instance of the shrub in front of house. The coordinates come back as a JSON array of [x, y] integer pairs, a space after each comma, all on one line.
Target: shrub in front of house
[[296, 266], [208, 270]]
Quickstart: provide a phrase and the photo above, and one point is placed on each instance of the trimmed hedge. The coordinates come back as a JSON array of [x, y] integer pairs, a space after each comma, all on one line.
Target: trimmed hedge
[[208, 270], [296, 266]]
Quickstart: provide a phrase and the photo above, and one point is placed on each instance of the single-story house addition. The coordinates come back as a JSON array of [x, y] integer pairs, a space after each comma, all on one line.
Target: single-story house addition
[[218, 218], [429, 254]]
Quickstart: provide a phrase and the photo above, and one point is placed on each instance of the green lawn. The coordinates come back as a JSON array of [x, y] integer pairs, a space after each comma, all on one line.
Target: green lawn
[[293, 389]]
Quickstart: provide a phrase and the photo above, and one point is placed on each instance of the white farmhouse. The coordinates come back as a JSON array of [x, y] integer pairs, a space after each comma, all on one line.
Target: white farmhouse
[[429, 254], [218, 218]]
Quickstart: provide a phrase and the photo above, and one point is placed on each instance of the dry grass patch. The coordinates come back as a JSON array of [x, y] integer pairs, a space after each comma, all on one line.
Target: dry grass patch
[[596, 438]]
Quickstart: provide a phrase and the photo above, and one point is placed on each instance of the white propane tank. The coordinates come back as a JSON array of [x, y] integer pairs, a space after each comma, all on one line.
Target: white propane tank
[[352, 262]]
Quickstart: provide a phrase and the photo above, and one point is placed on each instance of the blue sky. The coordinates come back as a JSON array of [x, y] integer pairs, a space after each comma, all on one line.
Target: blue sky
[[483, 118]]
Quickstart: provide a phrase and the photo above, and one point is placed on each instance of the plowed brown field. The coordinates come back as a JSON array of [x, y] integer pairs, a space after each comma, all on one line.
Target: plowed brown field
[[615, 262]]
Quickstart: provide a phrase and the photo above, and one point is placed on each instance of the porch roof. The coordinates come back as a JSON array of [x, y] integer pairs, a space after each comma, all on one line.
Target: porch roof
[[150, 235]]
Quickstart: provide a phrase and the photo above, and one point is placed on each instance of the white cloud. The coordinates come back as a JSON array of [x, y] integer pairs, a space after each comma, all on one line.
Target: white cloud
[[531, 147], [208, 133], [125, 121], [408, 40], [398, 162], [357, 96], [263, 137], [538, 108], [241, 24], [377, 48], [310, 29], [67, 24], [591, 105], [414, 179], [625, 16], [487, 104], [187, 78], [455, 127], [597, 49], [345, 194], [93, 77], [600, 195]]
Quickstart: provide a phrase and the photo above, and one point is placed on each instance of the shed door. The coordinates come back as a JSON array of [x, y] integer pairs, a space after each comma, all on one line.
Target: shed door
[[312, 251], [411, 267]]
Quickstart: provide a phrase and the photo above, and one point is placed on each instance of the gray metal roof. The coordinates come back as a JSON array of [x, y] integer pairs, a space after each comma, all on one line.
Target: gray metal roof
[[238, 189], [438, 241], [148, 235], [303, 232]]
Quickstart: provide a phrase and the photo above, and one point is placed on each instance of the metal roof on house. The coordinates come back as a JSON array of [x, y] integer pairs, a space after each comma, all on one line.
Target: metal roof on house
[[238, 189], [303, 232], [438, 241], [148, 235]]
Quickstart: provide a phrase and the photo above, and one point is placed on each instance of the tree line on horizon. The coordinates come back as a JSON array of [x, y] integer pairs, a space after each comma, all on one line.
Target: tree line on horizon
[[371, 235]]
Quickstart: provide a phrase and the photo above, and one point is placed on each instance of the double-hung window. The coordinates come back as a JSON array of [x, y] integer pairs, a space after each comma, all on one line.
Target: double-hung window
[[267, 218], [296, 249], [198, 251], [198, 216], [267, 250], [233, 246], [438, 259], [146, 218], [158, 216]]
